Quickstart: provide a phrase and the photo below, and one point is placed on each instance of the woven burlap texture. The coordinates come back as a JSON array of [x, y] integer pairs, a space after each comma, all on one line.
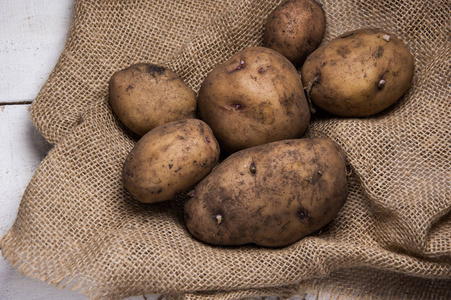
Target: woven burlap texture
[[77, 227]]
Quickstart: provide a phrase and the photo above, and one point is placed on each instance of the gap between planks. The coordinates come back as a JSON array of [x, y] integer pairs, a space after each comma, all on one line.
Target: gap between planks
[[25, 102]]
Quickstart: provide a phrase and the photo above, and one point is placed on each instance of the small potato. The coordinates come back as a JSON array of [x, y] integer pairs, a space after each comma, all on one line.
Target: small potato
[[170, 159], [254, 98], [144, 96], [271, 195], [359, 73], [295, 29]]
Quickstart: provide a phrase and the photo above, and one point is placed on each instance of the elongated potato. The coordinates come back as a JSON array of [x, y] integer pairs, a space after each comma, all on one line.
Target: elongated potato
[[169, 159], [359, 73], [270, 195]]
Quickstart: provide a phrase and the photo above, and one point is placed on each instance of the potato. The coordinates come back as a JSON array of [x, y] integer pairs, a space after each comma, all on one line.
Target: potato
[[295, 28], [144, 96], [255, 97], [270, 195], [359, 73], [169, 159]]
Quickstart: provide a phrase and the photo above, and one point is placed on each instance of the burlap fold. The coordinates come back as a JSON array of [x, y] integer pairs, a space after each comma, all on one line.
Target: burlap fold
[[77, 227]]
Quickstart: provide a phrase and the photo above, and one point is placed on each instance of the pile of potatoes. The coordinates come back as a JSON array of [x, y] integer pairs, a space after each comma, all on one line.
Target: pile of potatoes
[[237, 148]]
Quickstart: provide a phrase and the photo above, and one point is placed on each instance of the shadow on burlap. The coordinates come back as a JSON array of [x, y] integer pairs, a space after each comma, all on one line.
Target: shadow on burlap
[[77, 227]]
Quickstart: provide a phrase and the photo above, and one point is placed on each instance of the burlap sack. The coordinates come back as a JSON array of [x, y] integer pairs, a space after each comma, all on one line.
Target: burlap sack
[[78, 228]]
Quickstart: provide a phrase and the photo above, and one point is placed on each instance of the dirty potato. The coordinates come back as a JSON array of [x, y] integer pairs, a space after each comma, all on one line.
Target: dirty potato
[[359, 73], [144, 96], [255, 97], [169, 159], [295, 28], [271, 195]]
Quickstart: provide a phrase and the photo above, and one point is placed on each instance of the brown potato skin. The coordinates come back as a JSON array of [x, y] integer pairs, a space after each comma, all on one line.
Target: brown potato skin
[[295, 28], [270, 195], [144, 96], [359, 73], [170, 159], [255, 97]]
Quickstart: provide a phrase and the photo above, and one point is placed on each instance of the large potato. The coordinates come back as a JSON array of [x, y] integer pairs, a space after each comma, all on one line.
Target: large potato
[[144, 96], [358, 74], [253, 98], [295, 28], [169, 159], [271, 195]]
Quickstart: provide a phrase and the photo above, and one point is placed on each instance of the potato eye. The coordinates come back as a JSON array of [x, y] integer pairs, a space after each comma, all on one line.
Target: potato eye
[[253, 168]]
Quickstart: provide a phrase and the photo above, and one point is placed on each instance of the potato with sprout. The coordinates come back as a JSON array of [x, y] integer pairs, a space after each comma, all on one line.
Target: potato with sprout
[[253, 98], [359, 73], [270, 195]]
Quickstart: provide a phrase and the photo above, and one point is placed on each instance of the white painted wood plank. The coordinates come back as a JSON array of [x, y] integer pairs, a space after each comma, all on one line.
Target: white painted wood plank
[[21, 150], [32, 36]]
